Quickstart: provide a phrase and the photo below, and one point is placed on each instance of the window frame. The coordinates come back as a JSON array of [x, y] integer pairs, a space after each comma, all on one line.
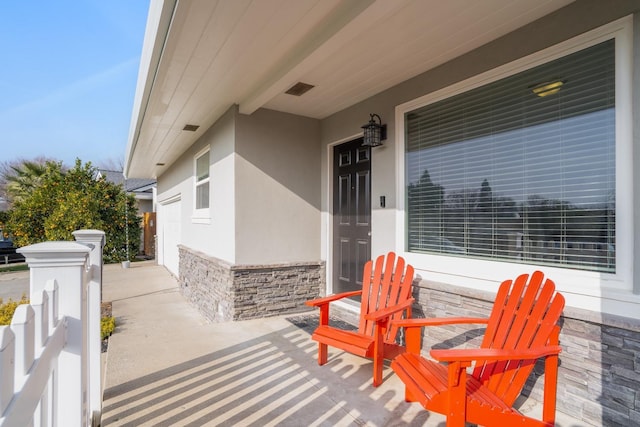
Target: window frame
[[482, 274], [201, 215]]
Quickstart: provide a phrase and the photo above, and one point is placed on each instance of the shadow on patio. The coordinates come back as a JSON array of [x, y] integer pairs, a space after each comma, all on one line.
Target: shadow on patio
[[269, 380], [167, 366]]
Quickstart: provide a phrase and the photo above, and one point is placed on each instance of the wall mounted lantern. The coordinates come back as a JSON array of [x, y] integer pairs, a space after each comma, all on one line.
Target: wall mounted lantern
[[374, 132]]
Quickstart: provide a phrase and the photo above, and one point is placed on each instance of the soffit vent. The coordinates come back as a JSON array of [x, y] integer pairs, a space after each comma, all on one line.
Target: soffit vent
[[299, 89], [190, 128]]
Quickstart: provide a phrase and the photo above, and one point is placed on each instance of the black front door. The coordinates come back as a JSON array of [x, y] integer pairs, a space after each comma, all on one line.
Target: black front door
[[351, 214]]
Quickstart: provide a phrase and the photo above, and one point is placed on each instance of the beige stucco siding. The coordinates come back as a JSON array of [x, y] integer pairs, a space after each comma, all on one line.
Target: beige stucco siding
[[563, 25], [277, 188], [264, 189], [215, 234]]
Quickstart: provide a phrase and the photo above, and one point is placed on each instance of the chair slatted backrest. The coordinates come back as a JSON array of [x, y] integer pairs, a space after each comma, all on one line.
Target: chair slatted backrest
[[524, 316], [384, 284]]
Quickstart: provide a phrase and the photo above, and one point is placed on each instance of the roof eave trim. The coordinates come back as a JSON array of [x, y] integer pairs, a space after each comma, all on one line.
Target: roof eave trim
[[159, 20]]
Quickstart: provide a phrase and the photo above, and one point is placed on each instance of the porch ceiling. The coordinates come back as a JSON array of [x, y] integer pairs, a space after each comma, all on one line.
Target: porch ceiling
[[200, 57]]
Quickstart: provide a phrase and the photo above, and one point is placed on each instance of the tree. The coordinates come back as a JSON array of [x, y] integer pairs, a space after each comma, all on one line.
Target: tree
[[19, 177], [485, 202], [425, 200], [4, 217], [65, 201], [112, 164]]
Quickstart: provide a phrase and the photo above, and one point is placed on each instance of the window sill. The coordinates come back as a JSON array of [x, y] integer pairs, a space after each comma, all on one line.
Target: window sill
[[200, 220]]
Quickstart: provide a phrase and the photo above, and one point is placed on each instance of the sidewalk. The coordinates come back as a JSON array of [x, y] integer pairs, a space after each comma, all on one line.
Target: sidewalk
[[167, 366]]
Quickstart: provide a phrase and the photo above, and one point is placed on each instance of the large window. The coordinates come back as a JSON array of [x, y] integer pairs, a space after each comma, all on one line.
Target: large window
[[202, 182], [521, 169]]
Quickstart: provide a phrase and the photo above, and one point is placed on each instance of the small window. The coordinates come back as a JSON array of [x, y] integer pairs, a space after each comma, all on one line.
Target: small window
[[202, 182]]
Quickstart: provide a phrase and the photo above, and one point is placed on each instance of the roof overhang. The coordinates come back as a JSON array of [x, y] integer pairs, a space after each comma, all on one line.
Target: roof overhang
[[201, 57]]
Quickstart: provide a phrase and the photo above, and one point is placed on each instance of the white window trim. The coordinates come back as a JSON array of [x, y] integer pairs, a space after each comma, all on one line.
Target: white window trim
[[201, 216], [587, 289]]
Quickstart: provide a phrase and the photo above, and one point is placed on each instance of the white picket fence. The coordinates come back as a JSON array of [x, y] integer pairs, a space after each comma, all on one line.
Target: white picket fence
[[50, 354]]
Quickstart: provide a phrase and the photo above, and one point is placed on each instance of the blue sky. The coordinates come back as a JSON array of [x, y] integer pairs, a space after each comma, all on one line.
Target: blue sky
[[67, 77]]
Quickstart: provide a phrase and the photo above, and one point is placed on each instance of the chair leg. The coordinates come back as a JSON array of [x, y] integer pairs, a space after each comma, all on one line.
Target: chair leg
[[551, 381], [408, 397], [377, 371], [379, 330], [456, 415], [322, 354]]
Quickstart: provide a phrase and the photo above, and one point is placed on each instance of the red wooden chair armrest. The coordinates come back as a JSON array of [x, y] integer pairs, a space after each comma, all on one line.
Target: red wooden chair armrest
[[326, 300], [413, 327], [437, 321], [379, 315], [460, 359], [489, 354]]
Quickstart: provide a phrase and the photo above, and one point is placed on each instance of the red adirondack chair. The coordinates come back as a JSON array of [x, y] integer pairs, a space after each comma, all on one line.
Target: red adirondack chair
[[385, 295], [522, 327]]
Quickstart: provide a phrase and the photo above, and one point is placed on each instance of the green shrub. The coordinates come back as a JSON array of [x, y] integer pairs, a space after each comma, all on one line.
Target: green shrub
[[8, 308], [107, 326], [69, 200]]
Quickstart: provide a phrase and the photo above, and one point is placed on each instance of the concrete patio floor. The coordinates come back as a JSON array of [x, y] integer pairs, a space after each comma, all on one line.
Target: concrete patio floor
[[166, 365]]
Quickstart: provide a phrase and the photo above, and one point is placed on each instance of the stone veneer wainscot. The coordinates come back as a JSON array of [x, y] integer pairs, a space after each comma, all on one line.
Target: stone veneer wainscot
[[224, 292]]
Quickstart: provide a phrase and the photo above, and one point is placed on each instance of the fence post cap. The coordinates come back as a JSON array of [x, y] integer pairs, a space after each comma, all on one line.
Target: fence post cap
[[69, 253], [90, 235]]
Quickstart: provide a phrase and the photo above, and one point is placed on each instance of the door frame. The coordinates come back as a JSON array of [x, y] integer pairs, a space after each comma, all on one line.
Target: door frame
[[329, 217]]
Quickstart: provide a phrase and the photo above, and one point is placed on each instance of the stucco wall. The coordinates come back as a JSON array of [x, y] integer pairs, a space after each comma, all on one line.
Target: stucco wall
[[216, 236], [264, 189], [145, 205], [277, 188], [575, 19]]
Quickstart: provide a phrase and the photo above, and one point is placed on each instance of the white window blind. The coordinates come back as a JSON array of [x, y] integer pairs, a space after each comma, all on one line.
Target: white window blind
[[500, 172]]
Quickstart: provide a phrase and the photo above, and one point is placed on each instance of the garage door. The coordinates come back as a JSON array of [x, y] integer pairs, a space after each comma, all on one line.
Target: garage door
[[169, 235]]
